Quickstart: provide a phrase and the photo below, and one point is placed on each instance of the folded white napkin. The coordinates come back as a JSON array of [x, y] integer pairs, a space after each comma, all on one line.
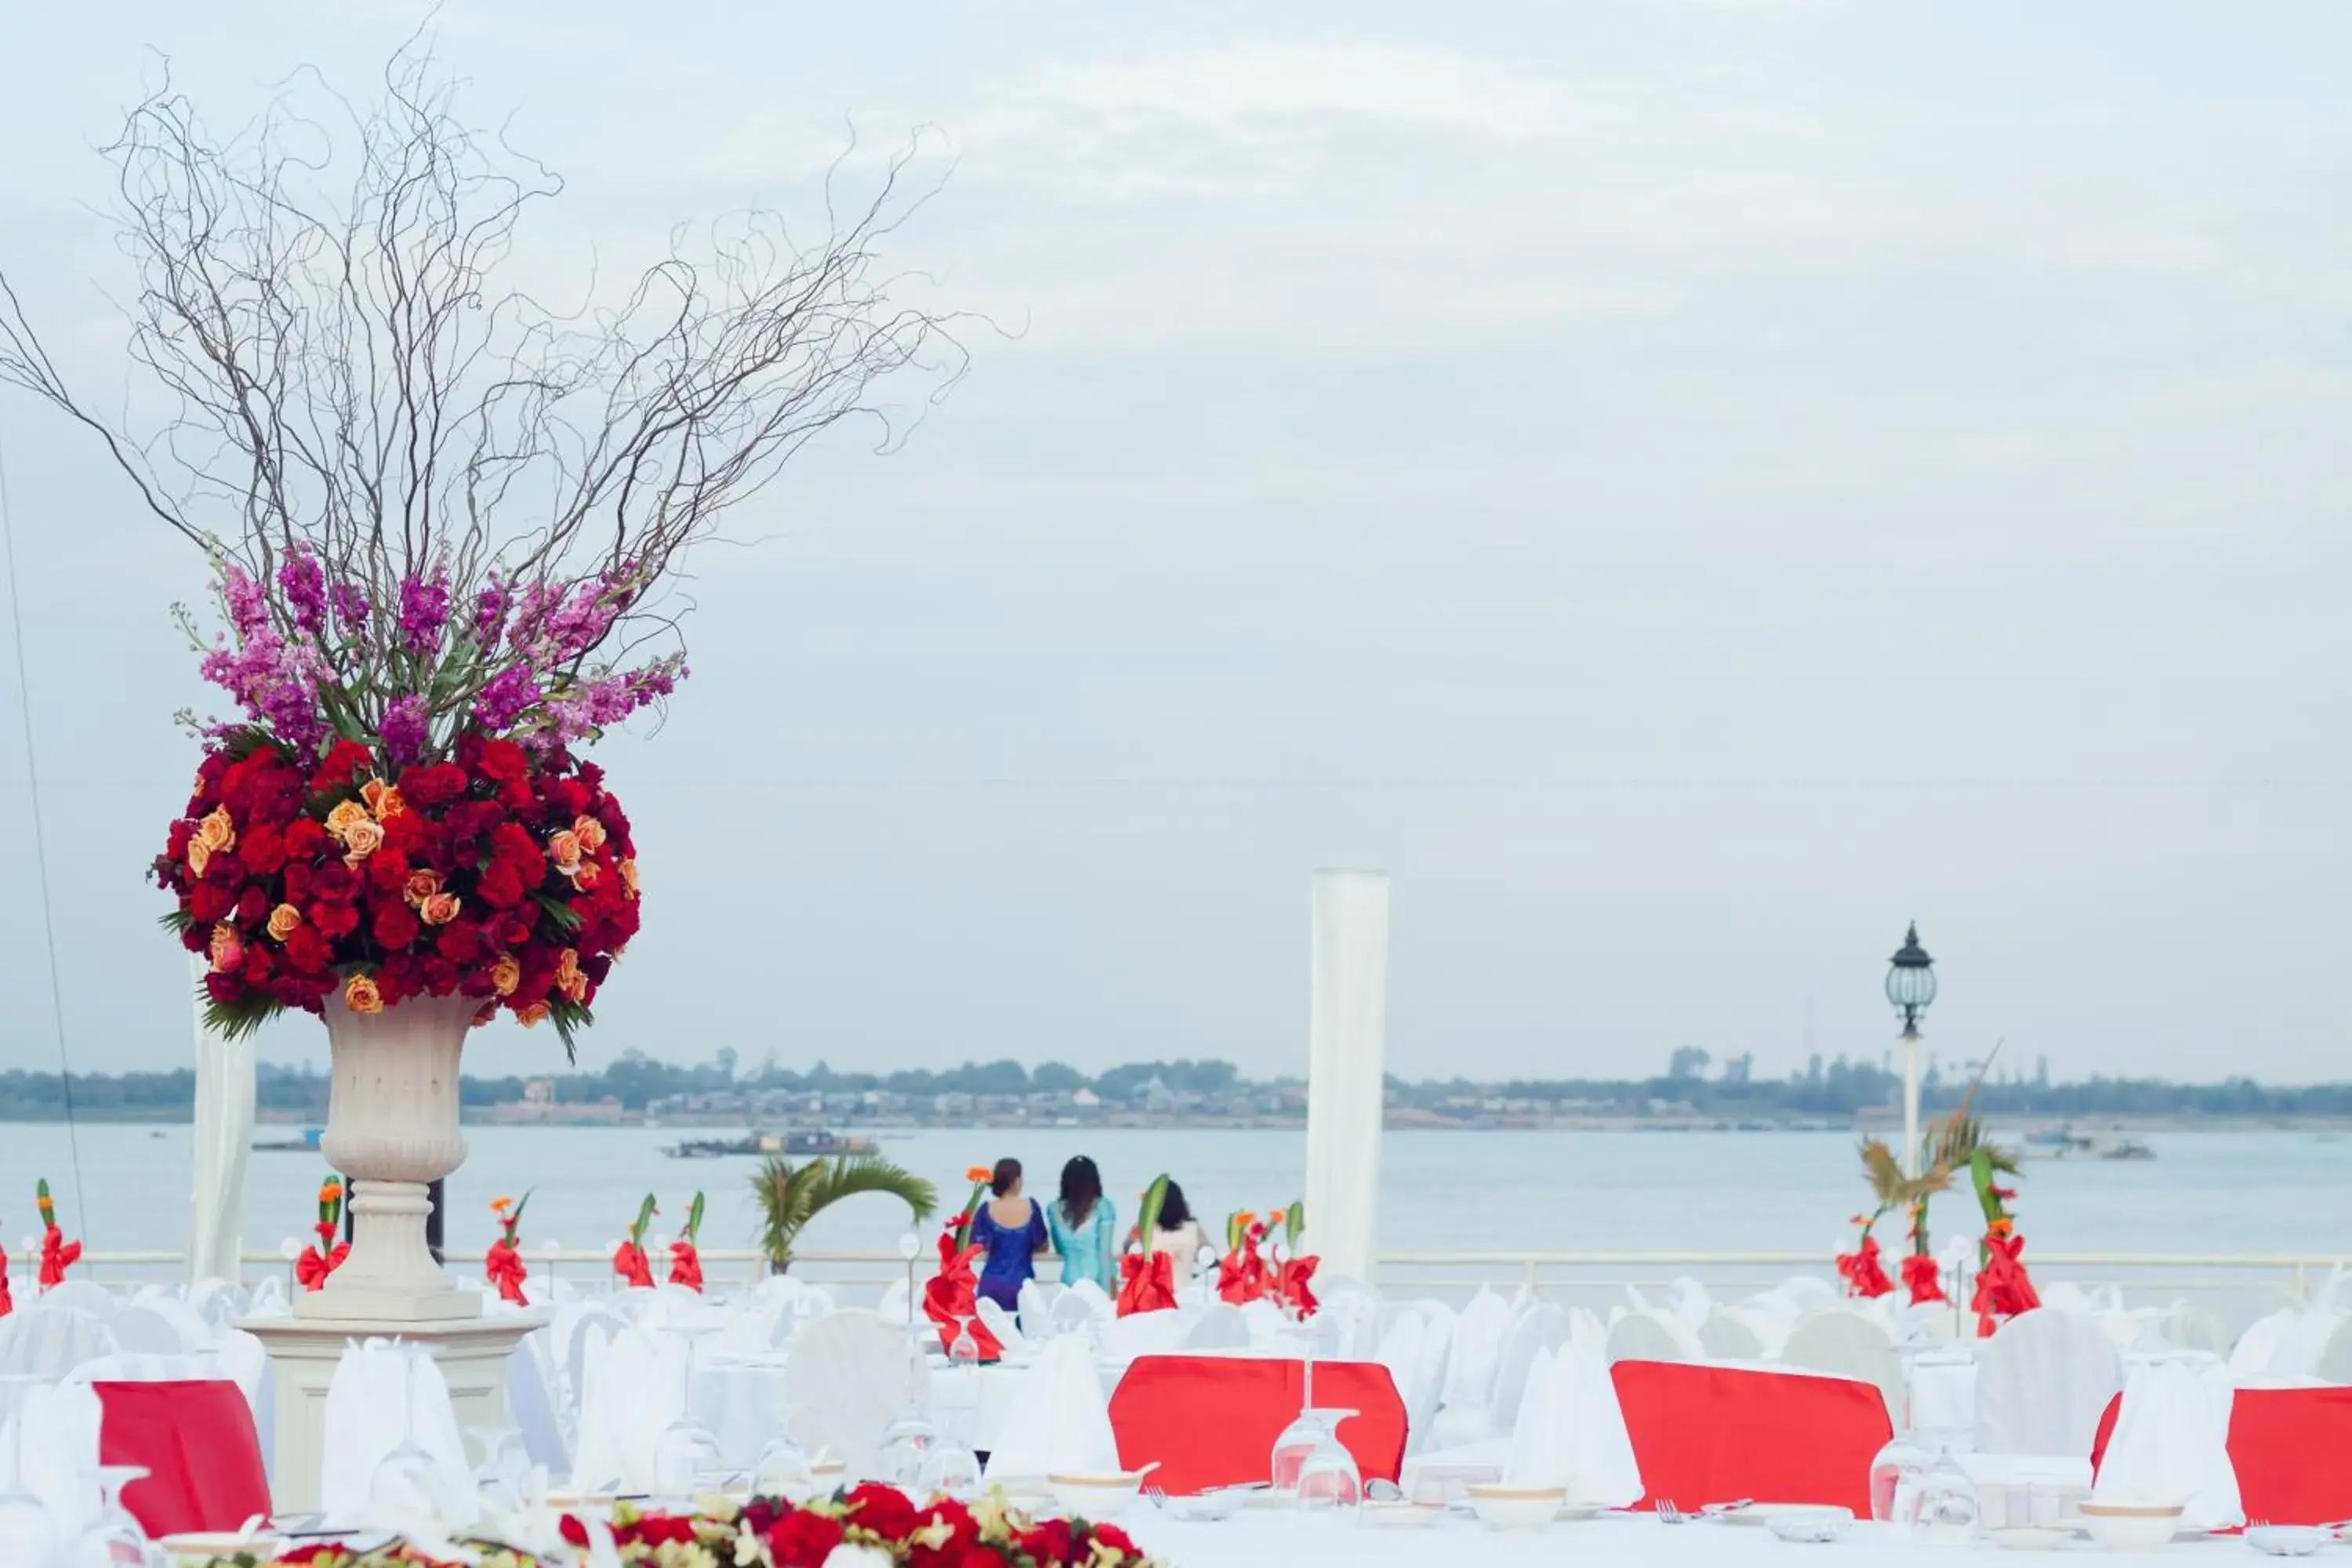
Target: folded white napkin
[[633, 1393], [1098, 1301], [58, 1447], [385, 1394], [2170, 1445], [1477, 1350], [1058, 1421], [1571, 1432], [1148, 1333], [999, 1322]]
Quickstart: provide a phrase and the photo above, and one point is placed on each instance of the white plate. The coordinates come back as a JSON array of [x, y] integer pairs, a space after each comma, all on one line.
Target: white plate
[[1578, 1512], [1400, 1515], [2031, 1538], [1762, 1512], [205, 1544]]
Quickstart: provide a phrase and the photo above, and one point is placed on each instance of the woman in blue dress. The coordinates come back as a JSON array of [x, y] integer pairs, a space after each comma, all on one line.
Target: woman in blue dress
[[1011, 1230], [1084, 1228]]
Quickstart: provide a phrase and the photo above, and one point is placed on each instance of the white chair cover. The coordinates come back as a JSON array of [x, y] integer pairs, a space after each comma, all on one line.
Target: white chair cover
[[2171, 1446], [1145, 1334], [1848, 1344], [1688, 1298], [1542, 1328], [47, 1341], [2250, 1358], [1477, 1350], [1400, 1352], [1097, 1301], [384, 1394], [219, 1302], [2042, 1382], [1571, 1432], [533, 1400], [1586, 1332], [1219, 1327], [849, 1374], [633, 1390], [1647, 1334], [2295, 1358], [140, 1367], [145, 1330], [1058, 1421], [82, 1296], [54, 1458], [1727, 1338]]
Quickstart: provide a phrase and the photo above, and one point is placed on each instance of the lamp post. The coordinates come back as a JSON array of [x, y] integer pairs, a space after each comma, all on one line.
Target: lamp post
[[1910, 986]]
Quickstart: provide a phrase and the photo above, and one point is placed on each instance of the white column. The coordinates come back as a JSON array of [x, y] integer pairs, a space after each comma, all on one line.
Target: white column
[[1347, 1045], [1911, 1156], [220, 1140]]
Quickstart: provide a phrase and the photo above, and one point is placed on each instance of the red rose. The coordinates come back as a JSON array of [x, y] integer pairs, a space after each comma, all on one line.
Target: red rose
[[514, 929], [263, 849], [460, 942], [472, 818], [501, 886], [803, 1540], [1048, 1542], [342, 765], [435, 784], [883, 1510], [258, 967], [982, 1557], [334, 881], [253, 906], [197, 939], [176, 843], [567, 798], [388, 869], [209, 903], [1114, 1536], [437, 975], [394, 926], [335, 917], [223, 988], [572, 1529], [306, 949], [305, 839]]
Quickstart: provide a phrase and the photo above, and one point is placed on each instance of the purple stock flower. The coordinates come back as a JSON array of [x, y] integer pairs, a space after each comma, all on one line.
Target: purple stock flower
[[305, 587], [241, 596], [351, 606], [404, 731], [509, 695], [490, 615], [424, 609]]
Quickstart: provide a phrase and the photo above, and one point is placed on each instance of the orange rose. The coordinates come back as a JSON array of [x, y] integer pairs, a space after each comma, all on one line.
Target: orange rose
[[344, 817], [585, 875], [329, 1192], [217, 832], [362, 840], [361, 995], [200, 855], [534, 1015], [283, 921], [383, 800], [440, 909], [629, 876], [227, 951], [421, 886], [563, 849], [978, 1173], [506, 974], [591, 834]]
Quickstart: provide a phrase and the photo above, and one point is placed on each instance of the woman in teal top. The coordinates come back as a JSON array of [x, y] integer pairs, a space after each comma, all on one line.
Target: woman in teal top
[[1081, 1223]]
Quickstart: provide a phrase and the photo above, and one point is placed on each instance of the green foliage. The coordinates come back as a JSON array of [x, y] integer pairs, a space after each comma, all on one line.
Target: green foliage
[[791, 1196]]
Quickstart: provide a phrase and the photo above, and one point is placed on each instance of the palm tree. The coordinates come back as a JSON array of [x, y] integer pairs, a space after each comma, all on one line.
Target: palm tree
[[791, 1196]]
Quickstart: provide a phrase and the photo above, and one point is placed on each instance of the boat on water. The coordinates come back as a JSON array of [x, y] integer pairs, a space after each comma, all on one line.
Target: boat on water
[[307, 1143], [2065, 1143], [801, 1140]]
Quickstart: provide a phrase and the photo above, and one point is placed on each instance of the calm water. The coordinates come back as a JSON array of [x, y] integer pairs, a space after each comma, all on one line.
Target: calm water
[[2236, 1193]]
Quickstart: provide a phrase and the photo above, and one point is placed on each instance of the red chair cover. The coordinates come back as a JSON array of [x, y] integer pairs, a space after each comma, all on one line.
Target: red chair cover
[[1211, 1421], [1713, 1433], [2279, 1439], [197, 1443]]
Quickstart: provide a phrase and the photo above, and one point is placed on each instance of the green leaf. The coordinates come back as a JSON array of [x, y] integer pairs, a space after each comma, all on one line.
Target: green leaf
[[791, 1196]]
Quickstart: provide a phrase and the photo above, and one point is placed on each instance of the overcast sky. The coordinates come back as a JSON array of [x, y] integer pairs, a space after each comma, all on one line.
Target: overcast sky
[[1686, 488]]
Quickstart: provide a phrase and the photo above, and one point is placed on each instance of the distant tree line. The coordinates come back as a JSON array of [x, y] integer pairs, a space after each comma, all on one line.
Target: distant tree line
[[1832, 1089]]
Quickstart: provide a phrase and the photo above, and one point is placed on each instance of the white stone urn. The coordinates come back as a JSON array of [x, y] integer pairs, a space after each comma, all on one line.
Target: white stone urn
[[392, 1131]]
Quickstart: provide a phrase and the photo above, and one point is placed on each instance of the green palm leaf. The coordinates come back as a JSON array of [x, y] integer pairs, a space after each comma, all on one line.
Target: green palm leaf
[[791, 1196]]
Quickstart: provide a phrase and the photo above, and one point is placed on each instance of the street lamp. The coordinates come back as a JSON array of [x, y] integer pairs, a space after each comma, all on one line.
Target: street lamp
[[1910, 986]]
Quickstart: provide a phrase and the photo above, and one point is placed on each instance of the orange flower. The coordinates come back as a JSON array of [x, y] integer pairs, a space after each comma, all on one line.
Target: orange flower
[[564, 848], [284, 922], [383, 800], [420, 886], [500, 1206], [569, 982], [978, 1173], [200, 855], [227, 951], [347, 816], [2002, 1227], [585, 875], [506, 974], [361, 995], [590, 832], [629, 876], [329, 1191], [362, 840], [532, 1015], [216, 831], [1273, 1217], [440, 909]]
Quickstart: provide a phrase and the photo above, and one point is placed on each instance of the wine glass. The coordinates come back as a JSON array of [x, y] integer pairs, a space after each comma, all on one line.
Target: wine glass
[[950, 1469], [906, 1443], [1944, 1506], [1328, 1484], [687, 1455], [783, 1470], [1310, 1431], [963, 1350], [503, 1475], [117, 1539], [405, 1483], [1894, 1474]]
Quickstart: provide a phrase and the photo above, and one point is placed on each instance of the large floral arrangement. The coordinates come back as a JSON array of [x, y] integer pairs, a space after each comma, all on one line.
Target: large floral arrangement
[[878, 1525], [503, 873]]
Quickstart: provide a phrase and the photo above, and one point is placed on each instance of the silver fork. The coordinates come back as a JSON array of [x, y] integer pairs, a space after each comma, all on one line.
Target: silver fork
[[1155, 1498], [1669, 1514]]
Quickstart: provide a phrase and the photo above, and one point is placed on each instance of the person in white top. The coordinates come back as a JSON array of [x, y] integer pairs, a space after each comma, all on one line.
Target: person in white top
[[1177, 1234]]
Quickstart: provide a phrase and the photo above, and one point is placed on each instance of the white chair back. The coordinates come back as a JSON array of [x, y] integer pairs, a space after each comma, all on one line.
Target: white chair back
[[849, 1374], [1477, 1350], [1647, 1334], [1851, 1345], [2335, 1361], [147, 1330], [82, 1296], [1726, 1338], [1543, 1327], [134, 1367], [1220, 1327], [898, 1305], [2042, 1382], [49, 1342]]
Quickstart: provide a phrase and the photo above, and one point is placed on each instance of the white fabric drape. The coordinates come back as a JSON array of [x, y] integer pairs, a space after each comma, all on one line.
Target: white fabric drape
[[1346, 1041], [223, 1137]]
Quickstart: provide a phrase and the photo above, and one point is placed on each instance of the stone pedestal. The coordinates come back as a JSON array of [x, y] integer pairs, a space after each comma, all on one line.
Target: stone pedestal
[[471, 1353]]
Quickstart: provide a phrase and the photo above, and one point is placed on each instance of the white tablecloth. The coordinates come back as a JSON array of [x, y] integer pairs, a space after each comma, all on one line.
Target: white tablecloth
[[742, 1404], [1271, 1540]]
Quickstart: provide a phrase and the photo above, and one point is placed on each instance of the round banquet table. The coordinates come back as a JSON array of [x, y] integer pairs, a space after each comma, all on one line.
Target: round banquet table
[[1269, 1538], [742, 1402]]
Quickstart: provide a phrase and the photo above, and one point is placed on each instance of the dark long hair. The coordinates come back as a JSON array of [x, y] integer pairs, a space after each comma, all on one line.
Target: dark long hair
[[1173, 1210], [1007, 1171], [1081, 1190]]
